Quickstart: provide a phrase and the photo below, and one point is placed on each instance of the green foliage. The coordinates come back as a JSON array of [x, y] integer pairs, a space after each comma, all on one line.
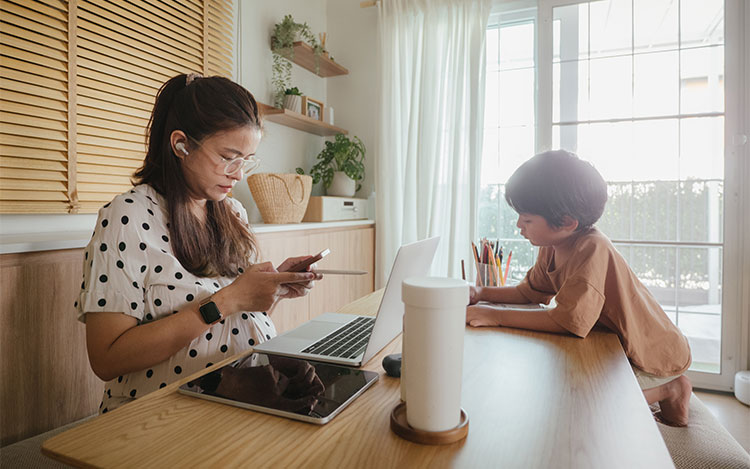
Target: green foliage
[[282, 75], [341, 154], [295, 91], [283, 37]]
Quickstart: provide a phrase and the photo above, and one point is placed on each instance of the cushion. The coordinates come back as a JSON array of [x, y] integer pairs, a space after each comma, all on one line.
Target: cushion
[[27, 454], [704, 443]]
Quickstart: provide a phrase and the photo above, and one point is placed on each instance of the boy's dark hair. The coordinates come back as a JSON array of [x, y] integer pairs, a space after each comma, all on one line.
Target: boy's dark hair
[[557, 183]]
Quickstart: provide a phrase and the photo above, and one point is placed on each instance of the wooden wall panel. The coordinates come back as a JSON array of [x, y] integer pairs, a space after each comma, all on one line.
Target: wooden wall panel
[[45, 378]]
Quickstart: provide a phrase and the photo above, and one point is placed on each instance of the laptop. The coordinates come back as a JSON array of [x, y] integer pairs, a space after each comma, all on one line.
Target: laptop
[[351, 340]]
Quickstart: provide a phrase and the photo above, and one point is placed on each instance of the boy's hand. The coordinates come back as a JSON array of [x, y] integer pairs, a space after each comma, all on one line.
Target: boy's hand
[[479, 316], [474, 295]]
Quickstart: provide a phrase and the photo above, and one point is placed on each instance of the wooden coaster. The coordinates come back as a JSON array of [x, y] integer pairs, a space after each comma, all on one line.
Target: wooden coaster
[[401, 427]]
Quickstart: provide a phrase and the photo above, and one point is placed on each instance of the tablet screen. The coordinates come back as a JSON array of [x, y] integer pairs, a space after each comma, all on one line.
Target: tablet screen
[[289, 387]]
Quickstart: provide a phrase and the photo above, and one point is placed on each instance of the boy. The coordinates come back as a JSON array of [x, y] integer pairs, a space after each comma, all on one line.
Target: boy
[[558, 198]]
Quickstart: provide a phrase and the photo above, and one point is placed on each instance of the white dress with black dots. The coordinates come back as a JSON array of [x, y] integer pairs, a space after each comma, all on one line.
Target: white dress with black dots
[[129, 267]]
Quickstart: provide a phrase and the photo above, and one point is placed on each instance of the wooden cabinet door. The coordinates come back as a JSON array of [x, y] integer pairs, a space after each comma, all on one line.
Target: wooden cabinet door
[[352, 249], [276, 247]]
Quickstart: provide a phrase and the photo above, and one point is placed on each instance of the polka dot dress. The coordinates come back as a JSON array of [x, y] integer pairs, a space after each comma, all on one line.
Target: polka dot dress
[[129, 267]]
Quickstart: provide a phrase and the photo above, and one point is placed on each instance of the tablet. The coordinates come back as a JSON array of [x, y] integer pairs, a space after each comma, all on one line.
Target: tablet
[[287, 387]]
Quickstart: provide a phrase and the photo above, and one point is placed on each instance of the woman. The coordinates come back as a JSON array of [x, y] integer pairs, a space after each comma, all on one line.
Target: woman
[[169, 287]]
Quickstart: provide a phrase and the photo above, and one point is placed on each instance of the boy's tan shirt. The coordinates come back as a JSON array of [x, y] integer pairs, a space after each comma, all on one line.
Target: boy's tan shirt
[[596, 286]]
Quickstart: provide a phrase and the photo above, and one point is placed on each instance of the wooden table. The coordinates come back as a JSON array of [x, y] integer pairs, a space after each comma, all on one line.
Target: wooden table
[[534, 400]]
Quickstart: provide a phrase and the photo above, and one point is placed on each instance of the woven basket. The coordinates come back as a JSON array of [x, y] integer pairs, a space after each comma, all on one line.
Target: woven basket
[[281, 198]]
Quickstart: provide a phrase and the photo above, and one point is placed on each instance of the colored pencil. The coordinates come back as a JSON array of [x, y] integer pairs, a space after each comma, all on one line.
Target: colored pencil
[[476, 263], [491, 267], [507, 267]]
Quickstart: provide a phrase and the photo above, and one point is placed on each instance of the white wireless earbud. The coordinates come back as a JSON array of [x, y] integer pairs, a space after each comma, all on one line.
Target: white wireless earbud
[[181, 146]]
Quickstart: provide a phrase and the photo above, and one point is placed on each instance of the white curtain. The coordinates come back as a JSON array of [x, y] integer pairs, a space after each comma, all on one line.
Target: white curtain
[[432, 65]]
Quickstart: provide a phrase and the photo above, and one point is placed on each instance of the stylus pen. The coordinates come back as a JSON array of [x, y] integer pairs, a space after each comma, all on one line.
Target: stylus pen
[[339, 272]]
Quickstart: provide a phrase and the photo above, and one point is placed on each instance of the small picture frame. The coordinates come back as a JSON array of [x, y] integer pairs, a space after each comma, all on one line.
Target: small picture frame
[[312, 108]]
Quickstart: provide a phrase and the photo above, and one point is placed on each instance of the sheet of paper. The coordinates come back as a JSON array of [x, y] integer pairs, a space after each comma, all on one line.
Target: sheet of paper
[[516, 307]]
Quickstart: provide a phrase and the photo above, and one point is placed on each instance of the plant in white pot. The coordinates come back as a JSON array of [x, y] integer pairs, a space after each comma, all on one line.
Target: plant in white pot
[[293, 99], [340, 166]]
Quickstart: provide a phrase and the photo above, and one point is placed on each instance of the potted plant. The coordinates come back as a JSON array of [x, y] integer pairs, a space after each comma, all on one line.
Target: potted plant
[[283, 37], [340, 166], [293, 99]]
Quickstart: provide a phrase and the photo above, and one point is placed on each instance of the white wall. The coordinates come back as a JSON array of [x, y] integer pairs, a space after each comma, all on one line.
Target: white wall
[[282, 148], [351, 41]]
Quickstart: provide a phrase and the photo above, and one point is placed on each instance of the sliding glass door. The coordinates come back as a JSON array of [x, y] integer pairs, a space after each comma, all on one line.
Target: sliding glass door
[[637, 87]]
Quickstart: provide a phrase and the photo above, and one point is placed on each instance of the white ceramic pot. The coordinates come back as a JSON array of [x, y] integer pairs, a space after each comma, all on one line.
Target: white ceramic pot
[[293, 102], [342, 185]]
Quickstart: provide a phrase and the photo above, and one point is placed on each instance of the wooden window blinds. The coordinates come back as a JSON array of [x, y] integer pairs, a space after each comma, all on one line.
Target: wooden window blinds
[[77, 85]]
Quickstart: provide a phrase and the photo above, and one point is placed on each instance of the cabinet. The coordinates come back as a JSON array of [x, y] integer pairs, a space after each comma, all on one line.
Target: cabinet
[[45, 377], [352, 248]]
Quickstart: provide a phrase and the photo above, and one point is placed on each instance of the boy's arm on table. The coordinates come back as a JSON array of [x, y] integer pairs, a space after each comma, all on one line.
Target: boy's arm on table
[[497, 295], [480, 315]]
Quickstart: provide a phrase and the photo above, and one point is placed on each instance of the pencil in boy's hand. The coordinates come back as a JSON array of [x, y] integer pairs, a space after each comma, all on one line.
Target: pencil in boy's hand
[[463, 270]]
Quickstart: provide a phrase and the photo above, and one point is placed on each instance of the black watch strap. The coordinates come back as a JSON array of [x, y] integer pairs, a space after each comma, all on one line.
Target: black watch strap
[[209, 311]]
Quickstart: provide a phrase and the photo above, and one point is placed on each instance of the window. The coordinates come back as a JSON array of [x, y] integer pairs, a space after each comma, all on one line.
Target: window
[[509, 129], [637, 87]]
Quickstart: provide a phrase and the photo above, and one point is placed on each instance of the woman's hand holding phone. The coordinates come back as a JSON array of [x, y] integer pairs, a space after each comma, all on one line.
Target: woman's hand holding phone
[[260, 286], [301, 264]]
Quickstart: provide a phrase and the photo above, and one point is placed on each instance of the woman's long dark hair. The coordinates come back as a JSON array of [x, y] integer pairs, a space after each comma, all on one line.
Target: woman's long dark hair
[[224, 244]]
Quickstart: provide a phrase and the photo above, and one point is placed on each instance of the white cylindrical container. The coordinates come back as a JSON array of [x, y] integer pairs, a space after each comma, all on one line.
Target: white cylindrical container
[[742, 386], [435, 318], [402, 385], [329, 111]]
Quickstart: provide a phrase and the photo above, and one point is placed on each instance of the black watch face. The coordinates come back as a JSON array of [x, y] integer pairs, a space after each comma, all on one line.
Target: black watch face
[[210, 313]]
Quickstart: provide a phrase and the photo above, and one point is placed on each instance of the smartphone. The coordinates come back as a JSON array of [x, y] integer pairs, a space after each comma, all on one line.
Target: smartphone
[[302, 266]]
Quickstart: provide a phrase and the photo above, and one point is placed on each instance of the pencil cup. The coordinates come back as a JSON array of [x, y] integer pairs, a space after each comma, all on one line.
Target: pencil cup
[[487, 275], [435, 317]]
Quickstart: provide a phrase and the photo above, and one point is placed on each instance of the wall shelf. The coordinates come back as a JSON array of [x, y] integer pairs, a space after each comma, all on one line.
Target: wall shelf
[[298, 121], [305, 58]]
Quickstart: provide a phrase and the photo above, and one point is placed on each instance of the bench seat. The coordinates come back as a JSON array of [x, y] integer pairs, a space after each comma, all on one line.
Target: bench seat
[[704, 443]]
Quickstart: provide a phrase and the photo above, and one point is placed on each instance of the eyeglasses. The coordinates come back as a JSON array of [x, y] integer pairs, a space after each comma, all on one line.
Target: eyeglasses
[[232, 165]]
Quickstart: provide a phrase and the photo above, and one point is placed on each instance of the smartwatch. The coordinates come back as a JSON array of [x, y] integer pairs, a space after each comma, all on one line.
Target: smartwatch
[[209, 311]]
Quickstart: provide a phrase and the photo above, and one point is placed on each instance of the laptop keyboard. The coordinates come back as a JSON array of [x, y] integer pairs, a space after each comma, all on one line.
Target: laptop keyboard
[[347, 342]]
